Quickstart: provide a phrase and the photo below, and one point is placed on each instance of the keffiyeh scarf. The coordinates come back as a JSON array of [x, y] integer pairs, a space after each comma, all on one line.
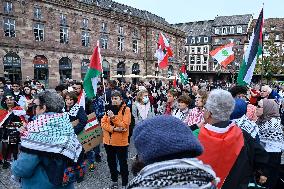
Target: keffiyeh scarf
[[53, 133], [179, 173], [195, 116], [247, 125]]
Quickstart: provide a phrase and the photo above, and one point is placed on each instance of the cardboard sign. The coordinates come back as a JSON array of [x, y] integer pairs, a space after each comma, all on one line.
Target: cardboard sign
[[92, 134]]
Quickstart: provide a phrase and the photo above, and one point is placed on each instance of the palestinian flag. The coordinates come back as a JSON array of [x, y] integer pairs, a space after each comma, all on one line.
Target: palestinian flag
[[18, 111], [183, 75], [224, 54], [92, 76], [253, 51], [163, 52], [222, 147], [4, 114]]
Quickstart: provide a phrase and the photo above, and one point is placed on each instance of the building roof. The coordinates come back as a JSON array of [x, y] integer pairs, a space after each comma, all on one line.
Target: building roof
[[125, 9], [269, 23], [199, 28], [232, 20]]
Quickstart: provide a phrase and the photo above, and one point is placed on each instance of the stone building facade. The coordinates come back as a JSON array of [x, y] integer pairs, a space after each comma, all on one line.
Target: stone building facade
[[51, 40]]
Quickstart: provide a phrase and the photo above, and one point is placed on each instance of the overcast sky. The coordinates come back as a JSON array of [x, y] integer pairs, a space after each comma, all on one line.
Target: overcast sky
[[177, 11]]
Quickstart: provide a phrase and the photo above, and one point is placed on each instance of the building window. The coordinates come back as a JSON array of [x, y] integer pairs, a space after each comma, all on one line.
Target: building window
[[85, 38], [37, 13], [232, 30], [217, 41], [224, 31], [39, 32], [277, 37], [9, 27], [205, 39], [204, 68], [198, 61], [193, 40], [199, 39], [205, 50], [63, 19], [191, 68], [198, 49], [239, 29], [198, 68], [135, 46], [64, 35], [192, 60], [85, 23], [192, 50], [120, 30], [217, 31], [120, 43], [205, 59], [8, 7], [104, 41], [135, 33], [104, 27]]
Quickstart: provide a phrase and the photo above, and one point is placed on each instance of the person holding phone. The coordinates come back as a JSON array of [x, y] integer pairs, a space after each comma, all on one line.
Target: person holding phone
[[115, 124]]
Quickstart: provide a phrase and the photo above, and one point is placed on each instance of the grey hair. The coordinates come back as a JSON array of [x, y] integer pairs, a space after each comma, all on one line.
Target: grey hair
[[52, 101], [267, 88], [221, 104]]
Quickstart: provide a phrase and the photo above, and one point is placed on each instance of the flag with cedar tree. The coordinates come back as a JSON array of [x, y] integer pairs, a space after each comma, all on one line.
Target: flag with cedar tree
[[163, 52]]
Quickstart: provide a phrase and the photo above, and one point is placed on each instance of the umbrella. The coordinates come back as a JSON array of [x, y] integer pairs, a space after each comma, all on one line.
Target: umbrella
[[117, 76]]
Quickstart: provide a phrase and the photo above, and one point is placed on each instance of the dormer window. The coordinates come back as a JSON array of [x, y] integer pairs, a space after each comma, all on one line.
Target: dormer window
[[217, 31], [232, 30], [239, 29], [224, 31], [272, 28], [193, 40]]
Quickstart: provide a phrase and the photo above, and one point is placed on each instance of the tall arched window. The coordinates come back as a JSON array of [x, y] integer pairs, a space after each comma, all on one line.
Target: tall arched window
[[12, 66], [135, 69], [121, 68], [65, 68], [84, 67], [41, 68], [106, 69]]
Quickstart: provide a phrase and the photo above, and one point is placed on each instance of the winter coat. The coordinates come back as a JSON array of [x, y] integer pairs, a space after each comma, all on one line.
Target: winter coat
[[136, 114], [29, 167], [82, 118], [122, 119]]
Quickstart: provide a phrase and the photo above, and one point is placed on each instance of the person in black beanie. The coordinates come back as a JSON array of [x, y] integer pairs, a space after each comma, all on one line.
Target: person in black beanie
[[166, 151]]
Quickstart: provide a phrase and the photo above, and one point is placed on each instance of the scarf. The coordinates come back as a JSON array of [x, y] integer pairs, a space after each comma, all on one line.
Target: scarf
[[251, 112], [270, 110], [195, 116], [52, 133], [249, 126], [178, 173], [222, 146], [181, 115], [271, 135], [143, 109]]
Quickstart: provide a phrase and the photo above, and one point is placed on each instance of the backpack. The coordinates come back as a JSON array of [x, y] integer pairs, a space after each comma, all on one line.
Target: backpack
[[63, 171]]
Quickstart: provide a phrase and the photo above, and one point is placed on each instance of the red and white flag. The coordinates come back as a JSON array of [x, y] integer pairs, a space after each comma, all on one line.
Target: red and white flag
[[224, 54], [163, 52]]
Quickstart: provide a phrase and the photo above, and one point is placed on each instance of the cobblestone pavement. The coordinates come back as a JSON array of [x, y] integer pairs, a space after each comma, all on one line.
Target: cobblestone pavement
[[99, 179]]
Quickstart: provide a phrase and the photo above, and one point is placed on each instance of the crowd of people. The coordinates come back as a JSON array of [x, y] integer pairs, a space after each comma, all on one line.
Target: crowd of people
[[197, 135]]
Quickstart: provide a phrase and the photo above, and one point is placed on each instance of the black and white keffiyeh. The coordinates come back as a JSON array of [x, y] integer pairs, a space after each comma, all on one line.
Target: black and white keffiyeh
[[271, 135], [179, 173], [249, 126]]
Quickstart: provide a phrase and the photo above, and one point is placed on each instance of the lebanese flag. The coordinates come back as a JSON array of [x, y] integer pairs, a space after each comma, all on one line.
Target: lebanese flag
[[224, 54], [163, 52], [92, 123], [222, 147], [92, 76]]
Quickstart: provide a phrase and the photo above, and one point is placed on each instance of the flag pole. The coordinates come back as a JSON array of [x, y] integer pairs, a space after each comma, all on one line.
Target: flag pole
[[262, 46], [103, 79]]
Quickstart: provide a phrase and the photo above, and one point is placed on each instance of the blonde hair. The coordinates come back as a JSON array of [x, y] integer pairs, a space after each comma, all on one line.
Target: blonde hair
[[139, 97]]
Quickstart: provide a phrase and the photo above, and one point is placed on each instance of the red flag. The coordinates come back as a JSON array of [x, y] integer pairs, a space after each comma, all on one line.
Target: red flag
[[163, 52]]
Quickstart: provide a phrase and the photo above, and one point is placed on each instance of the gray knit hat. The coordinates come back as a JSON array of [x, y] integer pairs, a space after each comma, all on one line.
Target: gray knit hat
[[163, 138]]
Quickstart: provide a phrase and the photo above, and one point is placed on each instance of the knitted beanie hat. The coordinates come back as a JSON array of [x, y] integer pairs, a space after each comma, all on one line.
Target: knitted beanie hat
[[163, 138]]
